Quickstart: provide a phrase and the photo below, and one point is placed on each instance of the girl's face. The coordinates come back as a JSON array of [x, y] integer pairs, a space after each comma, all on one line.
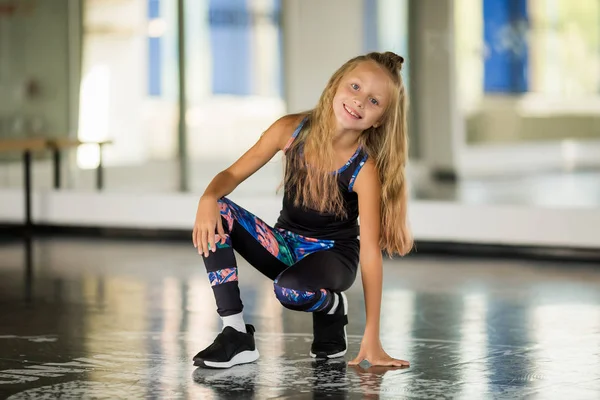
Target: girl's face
[[362, 97]]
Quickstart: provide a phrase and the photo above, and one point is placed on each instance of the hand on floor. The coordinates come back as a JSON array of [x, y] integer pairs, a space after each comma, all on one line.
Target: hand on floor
[[372, 351]]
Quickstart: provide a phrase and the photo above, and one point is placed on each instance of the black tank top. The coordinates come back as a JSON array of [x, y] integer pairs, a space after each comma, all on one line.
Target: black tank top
[[314, 224]]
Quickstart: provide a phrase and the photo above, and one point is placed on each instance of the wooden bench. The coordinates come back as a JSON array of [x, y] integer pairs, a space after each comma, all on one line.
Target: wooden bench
[[59, 144], [12, 145], [27, 146]]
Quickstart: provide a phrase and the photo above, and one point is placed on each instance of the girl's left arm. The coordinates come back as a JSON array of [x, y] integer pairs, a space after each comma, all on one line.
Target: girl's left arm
[[368, 188]]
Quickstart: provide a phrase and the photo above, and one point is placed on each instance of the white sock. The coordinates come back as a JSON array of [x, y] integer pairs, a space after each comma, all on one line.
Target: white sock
[[336, 302], [236, 321]]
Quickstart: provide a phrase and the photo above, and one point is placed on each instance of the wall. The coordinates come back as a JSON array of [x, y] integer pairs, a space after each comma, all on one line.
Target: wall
[[319, 36], [34, 49]]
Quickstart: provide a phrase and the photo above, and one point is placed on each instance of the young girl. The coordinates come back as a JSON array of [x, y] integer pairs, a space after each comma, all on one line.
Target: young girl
[[344, 158]]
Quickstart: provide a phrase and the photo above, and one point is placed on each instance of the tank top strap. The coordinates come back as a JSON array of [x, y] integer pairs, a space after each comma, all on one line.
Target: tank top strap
[[360, 164], [295, 134]]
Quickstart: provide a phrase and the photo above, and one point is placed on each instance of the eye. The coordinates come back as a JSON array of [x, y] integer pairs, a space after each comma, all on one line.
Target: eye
[[354, 86], [373, 101]]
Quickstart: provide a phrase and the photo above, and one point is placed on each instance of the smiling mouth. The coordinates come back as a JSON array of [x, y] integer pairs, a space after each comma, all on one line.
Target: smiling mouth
[[352, 113]]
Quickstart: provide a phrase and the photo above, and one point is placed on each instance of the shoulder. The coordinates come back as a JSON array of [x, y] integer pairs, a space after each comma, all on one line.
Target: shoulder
[[290, 121], [283, 128]]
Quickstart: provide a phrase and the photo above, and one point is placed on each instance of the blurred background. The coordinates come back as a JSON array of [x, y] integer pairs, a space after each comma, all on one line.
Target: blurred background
[[504, 107]]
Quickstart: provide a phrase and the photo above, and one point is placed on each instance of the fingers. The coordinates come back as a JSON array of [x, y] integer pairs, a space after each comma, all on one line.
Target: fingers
[[219, 224], [358, 359], [208, 228], [387, 362], [395, 363], [211, 242], [198, 239], [204, 242], [221, 231], [391, 362]]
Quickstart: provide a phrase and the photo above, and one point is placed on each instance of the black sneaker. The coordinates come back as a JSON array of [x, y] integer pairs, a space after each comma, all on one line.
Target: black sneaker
[[231, 347], [329, 332]]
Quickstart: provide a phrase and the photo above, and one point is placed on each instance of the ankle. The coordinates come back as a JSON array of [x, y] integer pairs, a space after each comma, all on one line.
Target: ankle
[[236, 321]]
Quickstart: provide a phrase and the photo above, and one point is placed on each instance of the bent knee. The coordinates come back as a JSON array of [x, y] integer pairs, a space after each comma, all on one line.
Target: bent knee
[[294, 298]]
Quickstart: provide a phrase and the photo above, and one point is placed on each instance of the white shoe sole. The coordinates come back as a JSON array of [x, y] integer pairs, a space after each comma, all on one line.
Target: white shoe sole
[[242, 358], [341, 353], [336, 355]]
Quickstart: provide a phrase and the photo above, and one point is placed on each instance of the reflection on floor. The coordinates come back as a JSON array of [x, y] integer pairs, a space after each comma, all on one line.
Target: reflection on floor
[[122, 319]]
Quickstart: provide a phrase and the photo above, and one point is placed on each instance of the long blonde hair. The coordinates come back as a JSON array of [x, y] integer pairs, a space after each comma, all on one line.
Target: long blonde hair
[[311, 173]]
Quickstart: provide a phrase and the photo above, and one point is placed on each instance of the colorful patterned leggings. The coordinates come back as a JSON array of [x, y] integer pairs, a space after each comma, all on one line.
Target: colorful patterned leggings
[[305, 271]]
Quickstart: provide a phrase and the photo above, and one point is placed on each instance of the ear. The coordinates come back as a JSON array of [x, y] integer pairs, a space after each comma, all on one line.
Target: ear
[[377, 124]]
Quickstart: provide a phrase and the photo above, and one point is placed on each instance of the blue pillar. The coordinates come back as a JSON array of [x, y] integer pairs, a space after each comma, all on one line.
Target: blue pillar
[[506, 24], [230, 35], [154, 54]]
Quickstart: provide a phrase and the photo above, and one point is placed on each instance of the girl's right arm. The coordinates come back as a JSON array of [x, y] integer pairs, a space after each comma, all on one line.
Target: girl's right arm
[[208, 217]]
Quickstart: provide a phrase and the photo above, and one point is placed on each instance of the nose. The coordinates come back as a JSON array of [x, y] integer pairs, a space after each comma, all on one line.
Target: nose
[[358, 102]]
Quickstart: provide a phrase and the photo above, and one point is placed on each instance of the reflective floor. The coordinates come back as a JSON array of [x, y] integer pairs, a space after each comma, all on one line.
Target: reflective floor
[[108, 319]]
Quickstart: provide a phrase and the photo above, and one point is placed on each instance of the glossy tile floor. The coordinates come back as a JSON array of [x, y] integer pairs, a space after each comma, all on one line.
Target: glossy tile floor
[[108, 319]]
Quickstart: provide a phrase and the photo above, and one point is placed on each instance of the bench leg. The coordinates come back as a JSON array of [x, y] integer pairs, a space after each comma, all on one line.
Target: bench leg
[[57, 165], [27, 189], [99, 170]]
